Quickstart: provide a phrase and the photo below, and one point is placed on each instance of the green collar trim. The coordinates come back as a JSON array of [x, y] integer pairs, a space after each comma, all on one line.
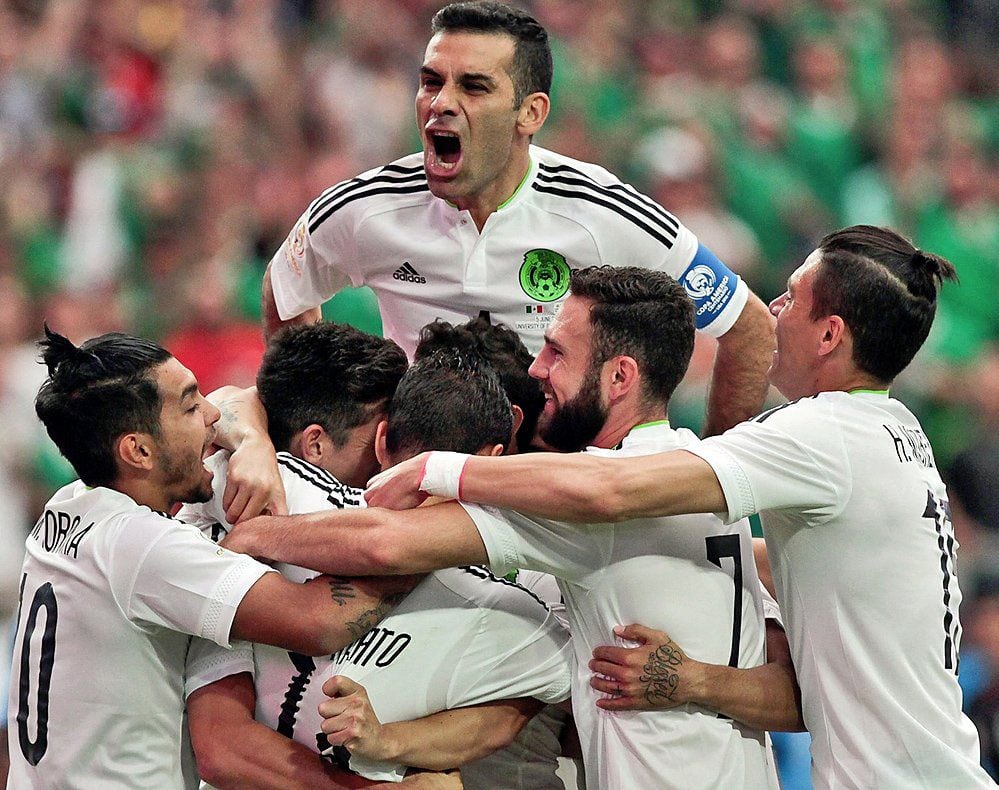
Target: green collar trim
[[650, 424], [520, 186], [867, 392]]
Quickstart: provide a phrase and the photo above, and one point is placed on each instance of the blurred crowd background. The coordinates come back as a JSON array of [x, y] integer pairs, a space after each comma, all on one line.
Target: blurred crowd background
[[154, 153]]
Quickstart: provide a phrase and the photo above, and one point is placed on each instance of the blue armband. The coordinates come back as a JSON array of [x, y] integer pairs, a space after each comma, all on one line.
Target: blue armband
[[710, 284]]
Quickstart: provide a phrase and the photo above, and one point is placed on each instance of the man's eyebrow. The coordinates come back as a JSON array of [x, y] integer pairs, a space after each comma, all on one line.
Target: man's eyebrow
[[474, 76], [189, 390]]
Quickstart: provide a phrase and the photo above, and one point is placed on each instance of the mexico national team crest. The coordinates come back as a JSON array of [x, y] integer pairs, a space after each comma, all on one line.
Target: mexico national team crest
[[544, 275]]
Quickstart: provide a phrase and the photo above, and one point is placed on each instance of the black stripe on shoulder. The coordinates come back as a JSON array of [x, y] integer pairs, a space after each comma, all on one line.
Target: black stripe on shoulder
[[394, 168], [353, 184], [480, 572], [664, 240], [626, 193], [337, 493], [318, 216], [763, 416]]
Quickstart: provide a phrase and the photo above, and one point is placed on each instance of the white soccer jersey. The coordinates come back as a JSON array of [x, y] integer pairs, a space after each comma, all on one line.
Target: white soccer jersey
[[461, 637], [425, 259], [860, 541], [110, 591], [690, 576]]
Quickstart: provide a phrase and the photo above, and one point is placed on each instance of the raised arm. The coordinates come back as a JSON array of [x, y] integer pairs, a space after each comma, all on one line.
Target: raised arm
[[268, 309], [739, 379], [360, 541], [580, 487], [318, 617], [439, 741], [253, 484], [659, 675]]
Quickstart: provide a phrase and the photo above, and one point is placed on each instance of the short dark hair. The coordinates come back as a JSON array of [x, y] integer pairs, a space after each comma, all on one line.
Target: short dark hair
[[641, 313], [95, 394], [884, 289], [326, 374], [449, 400], [503, 349], [532, 56]]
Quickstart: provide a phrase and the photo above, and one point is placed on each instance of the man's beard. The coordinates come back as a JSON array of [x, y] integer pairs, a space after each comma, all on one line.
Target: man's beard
[[185, 479], [575, 423]]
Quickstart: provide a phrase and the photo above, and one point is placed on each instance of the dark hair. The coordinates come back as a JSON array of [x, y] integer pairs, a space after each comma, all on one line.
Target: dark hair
[[532, 56], [643, 314], [503, 349], [449, 400], [884, 289], [96, 393], [326, 374]]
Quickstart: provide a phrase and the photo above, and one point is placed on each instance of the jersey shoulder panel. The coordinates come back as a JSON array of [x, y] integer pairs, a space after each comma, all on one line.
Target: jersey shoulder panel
[[309, 488], [591, 194], [387, 188], [484, 589]]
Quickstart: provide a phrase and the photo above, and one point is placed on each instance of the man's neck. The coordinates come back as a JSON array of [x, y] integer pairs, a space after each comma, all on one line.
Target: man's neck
[[483, 204], [144, 493], [618, 426]]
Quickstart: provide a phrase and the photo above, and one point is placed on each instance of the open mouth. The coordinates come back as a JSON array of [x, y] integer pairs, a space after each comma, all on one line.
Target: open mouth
[[446, 152]]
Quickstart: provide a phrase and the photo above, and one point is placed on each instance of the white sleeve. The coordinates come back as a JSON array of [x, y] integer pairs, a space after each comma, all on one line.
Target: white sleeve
[[208, 662], [791, 458], [314, 262], [771, 609], [515, 541], [522, 650], [165, 573]]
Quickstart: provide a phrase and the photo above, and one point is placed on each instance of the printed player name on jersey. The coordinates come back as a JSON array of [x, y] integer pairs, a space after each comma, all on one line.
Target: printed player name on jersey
[[911, 445], [60, 532], [381, 645]]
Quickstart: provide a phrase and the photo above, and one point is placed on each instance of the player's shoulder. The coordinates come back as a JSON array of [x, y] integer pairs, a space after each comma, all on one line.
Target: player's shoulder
[[480, 587], [398, 184], [309, 487], [601, 201]]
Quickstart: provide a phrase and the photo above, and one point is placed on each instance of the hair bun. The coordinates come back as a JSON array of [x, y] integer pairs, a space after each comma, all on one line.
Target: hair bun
[[935, 266]]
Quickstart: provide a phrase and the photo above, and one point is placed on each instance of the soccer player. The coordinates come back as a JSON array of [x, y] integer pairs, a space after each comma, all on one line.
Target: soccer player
[[461, 638], [481, 220], [854, 512], [610, 362], [112, 586]]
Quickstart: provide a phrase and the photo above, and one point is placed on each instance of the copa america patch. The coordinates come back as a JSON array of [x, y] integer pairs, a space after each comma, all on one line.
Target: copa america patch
[[295, 254], [709, 284]]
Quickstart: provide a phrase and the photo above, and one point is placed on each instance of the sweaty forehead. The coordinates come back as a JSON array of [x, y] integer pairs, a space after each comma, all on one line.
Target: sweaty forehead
[[467, 52]]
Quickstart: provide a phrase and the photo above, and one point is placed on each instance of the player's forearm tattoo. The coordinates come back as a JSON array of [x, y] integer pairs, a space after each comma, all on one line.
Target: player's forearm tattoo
[[341, 590], [369, 619], [227, 417], [660, 675]]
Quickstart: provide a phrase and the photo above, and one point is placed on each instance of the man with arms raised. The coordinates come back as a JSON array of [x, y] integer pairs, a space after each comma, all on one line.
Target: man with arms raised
[[854, 513], [484, 221], [611, 360], [112, 586]]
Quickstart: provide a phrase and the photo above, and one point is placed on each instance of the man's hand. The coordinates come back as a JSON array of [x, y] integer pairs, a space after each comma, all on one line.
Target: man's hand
[[253, 485], [398, 488], [656, 675], [350, 721]]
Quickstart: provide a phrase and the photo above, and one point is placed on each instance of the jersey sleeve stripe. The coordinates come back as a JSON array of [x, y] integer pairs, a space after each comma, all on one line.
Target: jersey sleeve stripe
[[483, 573], [329, 202], [628, 194], [337, 493], [664, 240]]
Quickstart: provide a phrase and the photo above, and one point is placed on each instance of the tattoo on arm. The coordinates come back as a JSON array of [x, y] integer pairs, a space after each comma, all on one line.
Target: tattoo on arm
[[369, 619], [341, 590], [659, 675], [227, 417]]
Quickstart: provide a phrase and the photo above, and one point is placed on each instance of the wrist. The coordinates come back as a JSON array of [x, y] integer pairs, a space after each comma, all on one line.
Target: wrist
[[442, 474], [387, 746], [698, 683]]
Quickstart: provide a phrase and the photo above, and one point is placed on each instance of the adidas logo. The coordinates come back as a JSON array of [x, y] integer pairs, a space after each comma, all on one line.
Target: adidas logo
[[409, 274]]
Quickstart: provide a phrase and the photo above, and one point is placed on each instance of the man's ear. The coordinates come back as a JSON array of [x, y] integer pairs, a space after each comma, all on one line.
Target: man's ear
[[518, 420], [836, 334], [622, 376], [137, 450], [312, 446], [381, 444], [533, 113], [496, 451]]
